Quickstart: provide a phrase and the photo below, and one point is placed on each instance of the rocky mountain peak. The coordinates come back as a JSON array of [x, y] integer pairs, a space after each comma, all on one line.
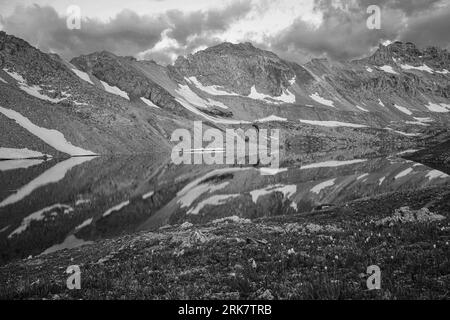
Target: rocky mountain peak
[[409, 53], [237, 68]]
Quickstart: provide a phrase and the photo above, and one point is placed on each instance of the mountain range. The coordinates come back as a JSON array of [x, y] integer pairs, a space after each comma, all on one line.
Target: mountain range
[[102, 103]]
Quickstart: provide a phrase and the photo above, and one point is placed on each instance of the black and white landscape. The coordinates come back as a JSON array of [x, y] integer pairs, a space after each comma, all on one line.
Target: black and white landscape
[[87, 176]]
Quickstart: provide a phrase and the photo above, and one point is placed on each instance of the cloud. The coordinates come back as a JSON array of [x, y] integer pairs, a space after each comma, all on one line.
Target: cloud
[[429, 30], [125, 34], [335, 29], [188, 25], [343, 33]]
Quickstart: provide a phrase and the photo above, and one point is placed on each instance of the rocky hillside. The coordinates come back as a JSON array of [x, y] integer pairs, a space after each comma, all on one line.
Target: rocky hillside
[[105, 104], [51, 107]]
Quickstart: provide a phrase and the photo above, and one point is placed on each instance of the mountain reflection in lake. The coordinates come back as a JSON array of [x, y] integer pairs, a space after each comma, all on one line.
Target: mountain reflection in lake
[[51, 205]]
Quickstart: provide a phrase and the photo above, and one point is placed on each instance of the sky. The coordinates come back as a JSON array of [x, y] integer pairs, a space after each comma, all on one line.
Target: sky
[[162, 30]]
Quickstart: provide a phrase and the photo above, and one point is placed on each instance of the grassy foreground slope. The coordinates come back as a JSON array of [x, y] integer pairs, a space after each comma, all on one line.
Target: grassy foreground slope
[[321, 255]]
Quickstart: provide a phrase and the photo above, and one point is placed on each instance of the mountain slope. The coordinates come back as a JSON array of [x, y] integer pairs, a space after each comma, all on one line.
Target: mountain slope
[[104, 104], [53, 98]]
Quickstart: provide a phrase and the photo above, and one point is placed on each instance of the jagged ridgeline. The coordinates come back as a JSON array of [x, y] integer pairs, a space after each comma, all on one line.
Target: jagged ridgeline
[[101, 103]]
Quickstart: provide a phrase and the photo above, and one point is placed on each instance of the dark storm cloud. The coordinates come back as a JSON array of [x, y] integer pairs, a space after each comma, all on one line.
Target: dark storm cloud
[[344, 35], [186, 25], [126, 34], [430, 30]]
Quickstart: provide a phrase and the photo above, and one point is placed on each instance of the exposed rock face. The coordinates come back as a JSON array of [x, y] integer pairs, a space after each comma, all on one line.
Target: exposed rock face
[[237, 68], [44, 89], [396, 74], [121, 72], [409, 53]]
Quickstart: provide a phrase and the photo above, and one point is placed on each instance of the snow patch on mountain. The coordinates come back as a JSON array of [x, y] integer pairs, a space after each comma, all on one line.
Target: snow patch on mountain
[[403, 133], [191, 97], [403, 109], [286, 97], [388, 69], [114, 90], [369, 69], [189, 100], [52, 137], [404, 173], [34, 90], [3, 80], [82, 75], [362, 109], [332, 164], [423, 67], [149, 103], [293, 80], [212, 90], [316, 97], [434, 174], [434, 107], [445, 71], [271, 118], [365, 175], [333, 123], [381, 103], [118, 207]]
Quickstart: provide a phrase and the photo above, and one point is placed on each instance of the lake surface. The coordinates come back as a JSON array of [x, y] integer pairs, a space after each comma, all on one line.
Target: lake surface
[[46, 206]]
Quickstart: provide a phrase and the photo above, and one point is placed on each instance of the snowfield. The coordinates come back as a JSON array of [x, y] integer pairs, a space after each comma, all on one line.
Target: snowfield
[[189, 100], [34, 90], [362, 109], [212, 90], [82, 75], [439, 108], [321, 100], [403, 133], [271, 118], [116, 208], [445, 71], [388, 69], [435, 174], [286, 97], [403, 109], [115, 90], [149, 103], [332, 163], [333, 124], [52, 137], [420, 68], [404, 173]]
